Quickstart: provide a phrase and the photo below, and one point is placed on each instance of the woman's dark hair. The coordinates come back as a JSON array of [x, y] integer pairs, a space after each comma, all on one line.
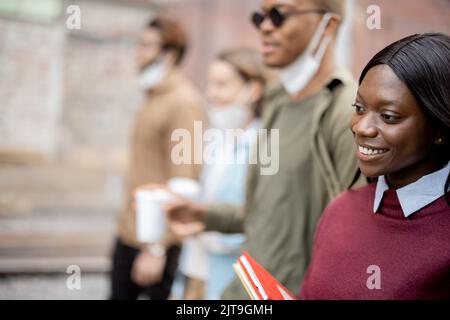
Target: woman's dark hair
[[422, 63], [247, 62], [172, 35]]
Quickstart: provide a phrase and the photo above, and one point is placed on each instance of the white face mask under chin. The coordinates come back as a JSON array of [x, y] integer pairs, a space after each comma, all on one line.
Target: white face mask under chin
[[296, 76], [233, 116], [229, 117], [152, 75]]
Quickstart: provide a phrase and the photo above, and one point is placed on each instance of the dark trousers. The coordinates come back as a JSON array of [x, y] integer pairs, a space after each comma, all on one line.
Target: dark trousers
[[123, 287]]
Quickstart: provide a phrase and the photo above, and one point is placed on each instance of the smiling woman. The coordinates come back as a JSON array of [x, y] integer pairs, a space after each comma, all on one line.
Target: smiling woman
[[402, 119], [400, 225]]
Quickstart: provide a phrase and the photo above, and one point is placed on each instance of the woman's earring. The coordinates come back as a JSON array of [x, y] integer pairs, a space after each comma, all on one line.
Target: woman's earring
[[440, 141]]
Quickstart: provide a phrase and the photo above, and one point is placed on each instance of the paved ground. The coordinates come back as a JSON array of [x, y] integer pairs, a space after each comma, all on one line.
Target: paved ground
[[44, 287], [51, 218]]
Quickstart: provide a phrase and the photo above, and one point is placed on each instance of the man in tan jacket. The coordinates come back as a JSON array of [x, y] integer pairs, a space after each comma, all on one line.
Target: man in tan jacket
[[171, 103]]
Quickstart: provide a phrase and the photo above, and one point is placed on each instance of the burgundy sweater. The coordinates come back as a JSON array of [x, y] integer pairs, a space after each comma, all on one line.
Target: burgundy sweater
[[413, 254]]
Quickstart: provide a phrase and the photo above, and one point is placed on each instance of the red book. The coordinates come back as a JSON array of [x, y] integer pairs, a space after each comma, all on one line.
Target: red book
[[258, 282]]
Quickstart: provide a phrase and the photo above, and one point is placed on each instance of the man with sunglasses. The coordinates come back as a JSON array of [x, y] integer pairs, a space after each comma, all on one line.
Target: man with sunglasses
[[311, 110]]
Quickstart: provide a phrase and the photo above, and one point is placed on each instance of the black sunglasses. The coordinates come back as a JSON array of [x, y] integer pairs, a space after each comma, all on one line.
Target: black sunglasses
[[277, 17]]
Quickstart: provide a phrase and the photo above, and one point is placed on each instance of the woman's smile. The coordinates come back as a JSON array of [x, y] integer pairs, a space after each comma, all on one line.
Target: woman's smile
[[369, 153]]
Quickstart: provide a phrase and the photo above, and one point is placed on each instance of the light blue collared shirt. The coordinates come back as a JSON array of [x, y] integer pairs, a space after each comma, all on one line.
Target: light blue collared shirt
[[416, 195]]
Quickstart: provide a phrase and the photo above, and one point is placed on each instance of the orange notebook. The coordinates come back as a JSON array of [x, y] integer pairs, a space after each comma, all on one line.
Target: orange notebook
[[258, 282]]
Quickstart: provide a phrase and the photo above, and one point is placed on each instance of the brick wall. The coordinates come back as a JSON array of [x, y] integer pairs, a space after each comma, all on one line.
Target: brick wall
[[399, 18]]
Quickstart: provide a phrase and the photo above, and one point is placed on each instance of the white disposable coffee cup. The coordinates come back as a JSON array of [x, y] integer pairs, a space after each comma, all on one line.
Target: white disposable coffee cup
[[185, 187], [151, 221]]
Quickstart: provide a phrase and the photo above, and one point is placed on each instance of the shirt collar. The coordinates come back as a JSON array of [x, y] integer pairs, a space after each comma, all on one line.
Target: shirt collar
[[416, 195]]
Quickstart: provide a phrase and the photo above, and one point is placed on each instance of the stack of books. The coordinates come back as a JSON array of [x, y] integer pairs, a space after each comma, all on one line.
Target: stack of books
[[258, 282]]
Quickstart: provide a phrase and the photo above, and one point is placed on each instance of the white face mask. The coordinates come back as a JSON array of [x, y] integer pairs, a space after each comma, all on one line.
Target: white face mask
[[229, 117], [153, 75], [298, 74], [233, 116]]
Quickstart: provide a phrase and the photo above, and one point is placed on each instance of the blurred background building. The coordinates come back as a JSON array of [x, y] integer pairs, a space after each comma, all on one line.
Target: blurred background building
[[67, 99]]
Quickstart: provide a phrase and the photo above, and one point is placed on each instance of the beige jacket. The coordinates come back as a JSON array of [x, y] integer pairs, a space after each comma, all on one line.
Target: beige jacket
[[174, 104]]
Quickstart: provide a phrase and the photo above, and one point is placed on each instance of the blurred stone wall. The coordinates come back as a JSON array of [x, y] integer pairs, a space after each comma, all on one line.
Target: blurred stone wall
[[100, 92], [31, 81]]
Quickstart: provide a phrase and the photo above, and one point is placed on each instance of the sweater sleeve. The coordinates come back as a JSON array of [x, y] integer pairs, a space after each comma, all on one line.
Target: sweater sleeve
[[225, 218]]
